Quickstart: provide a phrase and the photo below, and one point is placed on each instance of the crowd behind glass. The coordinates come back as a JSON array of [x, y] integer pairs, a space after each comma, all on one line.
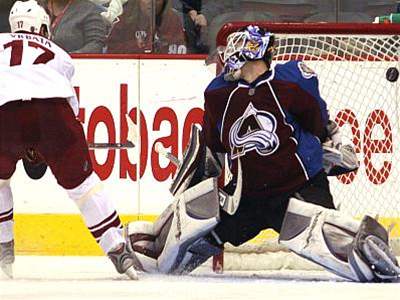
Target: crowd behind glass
[[181, 26]]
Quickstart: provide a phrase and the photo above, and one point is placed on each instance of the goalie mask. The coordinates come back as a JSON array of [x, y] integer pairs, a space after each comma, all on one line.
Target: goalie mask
[[250, 44], [29, 16]]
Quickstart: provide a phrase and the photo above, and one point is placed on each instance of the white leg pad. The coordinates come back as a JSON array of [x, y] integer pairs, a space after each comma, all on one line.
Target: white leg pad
[[142, 236], [320, 235], [180, 229], [186, 226]]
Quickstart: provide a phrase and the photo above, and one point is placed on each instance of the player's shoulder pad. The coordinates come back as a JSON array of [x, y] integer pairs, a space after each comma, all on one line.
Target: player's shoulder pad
[[299, 73], [218, 83]]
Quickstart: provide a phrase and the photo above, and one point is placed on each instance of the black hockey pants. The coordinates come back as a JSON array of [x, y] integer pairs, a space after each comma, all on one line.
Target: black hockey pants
[[257, 214]]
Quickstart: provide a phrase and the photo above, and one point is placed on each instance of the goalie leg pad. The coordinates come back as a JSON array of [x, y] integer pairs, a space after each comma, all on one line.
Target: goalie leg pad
[[196, 213], [357, 251], [175, 238], [141, 238], [320, 235]]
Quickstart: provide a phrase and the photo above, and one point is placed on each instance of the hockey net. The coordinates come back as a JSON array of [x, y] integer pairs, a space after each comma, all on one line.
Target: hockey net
[[357, 67]]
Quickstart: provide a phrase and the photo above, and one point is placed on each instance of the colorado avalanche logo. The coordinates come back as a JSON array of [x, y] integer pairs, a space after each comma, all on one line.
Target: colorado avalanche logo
[[255, 130]]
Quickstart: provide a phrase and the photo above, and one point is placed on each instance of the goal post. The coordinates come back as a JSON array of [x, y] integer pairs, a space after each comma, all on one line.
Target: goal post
[[358, 72]]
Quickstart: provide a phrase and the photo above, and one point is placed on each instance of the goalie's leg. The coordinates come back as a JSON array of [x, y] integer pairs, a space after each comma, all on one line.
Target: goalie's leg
[[182, 237], [354, 250]]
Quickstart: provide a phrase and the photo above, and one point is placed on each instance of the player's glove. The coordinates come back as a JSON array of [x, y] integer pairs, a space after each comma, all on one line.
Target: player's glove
[[34, 164]]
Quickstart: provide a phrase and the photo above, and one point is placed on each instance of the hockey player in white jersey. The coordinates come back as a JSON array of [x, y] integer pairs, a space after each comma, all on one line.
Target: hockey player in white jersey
[[273, 124], [38, 109]]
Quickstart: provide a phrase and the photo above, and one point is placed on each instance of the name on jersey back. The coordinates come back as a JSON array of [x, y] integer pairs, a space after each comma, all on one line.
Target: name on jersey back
[[32, 37]]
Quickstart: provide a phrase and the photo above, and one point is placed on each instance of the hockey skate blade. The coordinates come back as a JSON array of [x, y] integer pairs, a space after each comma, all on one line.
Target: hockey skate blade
[[6, 271], [131, 273]]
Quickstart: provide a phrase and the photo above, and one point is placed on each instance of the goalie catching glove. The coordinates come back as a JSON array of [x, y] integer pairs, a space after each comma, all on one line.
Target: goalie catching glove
[[338, 159]]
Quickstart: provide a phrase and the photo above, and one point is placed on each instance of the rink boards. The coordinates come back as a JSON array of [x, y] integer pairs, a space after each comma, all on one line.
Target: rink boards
[[168, 94]]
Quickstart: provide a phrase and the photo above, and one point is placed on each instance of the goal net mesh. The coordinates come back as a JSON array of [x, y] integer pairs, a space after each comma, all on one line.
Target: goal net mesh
[[357, 68]]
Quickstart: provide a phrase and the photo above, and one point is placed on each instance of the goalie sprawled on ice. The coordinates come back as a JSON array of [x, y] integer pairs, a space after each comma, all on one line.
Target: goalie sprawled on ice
[[273, 125]]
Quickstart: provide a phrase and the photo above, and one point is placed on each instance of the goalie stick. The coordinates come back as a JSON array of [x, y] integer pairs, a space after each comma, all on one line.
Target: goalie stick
[[160, 149]]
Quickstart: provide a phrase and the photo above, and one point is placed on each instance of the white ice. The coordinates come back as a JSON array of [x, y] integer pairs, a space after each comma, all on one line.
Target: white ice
[[78, 278]]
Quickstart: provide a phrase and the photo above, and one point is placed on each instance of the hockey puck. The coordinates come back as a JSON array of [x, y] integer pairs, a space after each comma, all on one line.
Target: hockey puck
[[392, 74]]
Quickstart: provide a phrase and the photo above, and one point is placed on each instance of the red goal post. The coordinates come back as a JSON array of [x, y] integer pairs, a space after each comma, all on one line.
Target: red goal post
[[358, 68]]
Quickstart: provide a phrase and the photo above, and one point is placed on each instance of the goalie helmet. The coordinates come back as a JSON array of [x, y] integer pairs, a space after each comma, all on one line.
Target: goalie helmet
[[249, 44], [29, 16]]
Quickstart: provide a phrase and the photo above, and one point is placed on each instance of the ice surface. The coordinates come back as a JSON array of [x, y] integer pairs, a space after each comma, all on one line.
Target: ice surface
[[39, 277]]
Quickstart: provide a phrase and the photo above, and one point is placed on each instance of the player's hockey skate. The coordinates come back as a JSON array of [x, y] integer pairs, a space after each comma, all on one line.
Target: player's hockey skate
[[124, 260], [7, 258]]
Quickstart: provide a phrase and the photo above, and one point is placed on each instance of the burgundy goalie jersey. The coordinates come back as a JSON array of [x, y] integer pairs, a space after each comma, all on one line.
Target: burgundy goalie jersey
[[274, 125]]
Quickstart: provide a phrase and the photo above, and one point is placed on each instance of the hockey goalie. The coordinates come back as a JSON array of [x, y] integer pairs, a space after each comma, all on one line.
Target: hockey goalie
[[273, 125]]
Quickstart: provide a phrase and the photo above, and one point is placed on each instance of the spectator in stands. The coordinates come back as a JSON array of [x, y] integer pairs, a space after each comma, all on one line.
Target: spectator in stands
[[77, 25], [214, 14], [135, 33], [381, 7], [191, 10], [5, 7], [341, 11]]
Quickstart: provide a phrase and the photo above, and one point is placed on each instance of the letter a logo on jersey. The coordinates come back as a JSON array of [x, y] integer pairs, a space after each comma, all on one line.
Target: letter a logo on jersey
[[255, 130]]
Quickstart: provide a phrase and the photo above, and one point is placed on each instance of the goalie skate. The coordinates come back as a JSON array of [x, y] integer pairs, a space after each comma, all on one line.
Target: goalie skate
[[371, 251]]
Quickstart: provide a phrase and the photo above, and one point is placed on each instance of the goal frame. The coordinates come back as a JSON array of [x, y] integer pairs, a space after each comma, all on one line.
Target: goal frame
[[311, 28]]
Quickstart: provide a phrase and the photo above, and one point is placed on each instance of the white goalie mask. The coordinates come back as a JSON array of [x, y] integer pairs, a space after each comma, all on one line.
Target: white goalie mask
[[249, 44], [28, 16]]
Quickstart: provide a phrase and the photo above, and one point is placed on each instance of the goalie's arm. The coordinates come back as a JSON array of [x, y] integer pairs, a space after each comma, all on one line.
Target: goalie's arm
[[310, 113]]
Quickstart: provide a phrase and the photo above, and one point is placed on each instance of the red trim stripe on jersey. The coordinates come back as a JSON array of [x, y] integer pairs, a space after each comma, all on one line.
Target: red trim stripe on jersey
[[7, 216]]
